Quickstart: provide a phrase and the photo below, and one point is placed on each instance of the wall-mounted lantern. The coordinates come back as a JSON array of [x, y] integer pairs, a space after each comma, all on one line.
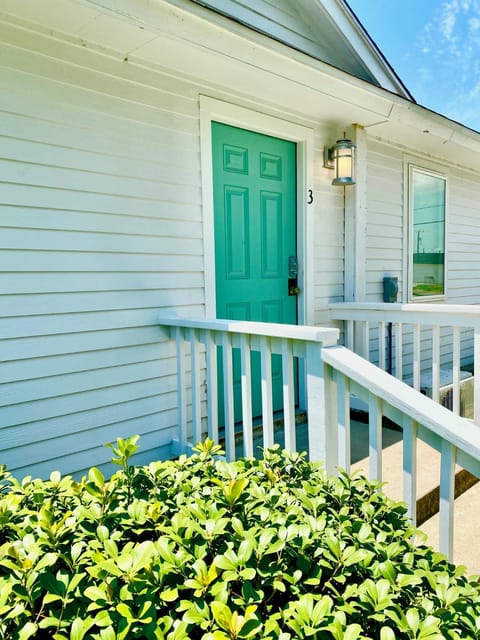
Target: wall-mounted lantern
[[341, 158]]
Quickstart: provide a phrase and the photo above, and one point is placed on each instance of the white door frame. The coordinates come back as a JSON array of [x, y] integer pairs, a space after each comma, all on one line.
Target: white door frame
[[217, 110]]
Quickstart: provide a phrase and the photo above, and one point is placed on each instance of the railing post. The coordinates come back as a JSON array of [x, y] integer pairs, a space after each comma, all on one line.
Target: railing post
[[447, 498], [344, 431], [322, 409], [410, 468], [375, 437]]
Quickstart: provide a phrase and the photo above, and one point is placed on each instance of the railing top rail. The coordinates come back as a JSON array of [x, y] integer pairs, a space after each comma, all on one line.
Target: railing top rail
[[460, 432], [443, 314], [321, 335]]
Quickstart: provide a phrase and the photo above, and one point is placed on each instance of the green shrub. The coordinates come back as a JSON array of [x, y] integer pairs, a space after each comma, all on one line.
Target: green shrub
[[201, 548]]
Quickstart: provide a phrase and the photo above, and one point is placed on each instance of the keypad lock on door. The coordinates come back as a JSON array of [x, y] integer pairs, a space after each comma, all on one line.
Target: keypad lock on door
[[293, 289]]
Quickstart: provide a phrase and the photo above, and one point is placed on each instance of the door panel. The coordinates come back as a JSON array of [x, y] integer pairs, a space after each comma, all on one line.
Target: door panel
[[255, 233]]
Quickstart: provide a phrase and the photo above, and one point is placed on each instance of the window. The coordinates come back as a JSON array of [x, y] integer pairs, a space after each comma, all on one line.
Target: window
[[428, 233]]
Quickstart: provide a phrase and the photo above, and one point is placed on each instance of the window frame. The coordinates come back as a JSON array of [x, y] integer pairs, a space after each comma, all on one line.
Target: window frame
[[412, 169]]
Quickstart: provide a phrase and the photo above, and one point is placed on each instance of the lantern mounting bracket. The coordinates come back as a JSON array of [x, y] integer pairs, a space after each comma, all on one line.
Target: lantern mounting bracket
[[341, 158], [328, 162]]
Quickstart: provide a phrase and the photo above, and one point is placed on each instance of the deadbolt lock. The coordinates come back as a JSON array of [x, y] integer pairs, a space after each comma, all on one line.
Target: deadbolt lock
[[293, 289]]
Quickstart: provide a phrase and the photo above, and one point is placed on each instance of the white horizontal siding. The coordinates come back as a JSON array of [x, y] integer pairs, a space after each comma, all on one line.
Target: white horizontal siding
[[78, 302], [83, 457], [100, 231], [102, 416], [385, 211], [463, 239], [71, 363]]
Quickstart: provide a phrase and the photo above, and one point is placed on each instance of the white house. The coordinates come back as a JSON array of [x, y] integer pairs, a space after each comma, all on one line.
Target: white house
[[112, 180]]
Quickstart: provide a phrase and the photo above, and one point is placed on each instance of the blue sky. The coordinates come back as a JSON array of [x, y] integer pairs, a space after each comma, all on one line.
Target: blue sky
[[434, 46]]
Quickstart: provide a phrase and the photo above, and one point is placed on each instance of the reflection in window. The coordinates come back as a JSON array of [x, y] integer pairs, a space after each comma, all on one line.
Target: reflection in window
[[428, 234]]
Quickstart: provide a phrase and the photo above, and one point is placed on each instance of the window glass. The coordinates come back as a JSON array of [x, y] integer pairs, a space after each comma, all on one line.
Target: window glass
[[428, 237]]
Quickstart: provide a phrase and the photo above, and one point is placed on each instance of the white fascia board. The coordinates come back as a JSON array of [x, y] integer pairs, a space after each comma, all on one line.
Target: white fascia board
[[194, 26], [135, 12], [139, 12]]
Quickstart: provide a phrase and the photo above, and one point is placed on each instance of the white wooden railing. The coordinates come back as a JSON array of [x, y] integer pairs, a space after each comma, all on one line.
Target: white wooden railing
[[332, 374], [456, 439], [197, 342], [426, 340]]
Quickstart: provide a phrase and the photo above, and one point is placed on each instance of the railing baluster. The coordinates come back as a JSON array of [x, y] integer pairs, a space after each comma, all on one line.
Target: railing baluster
[[398, 350], [212, 386], [182, 389], [229, 415], [410, 467], [344, 434], [196, 387], [246, 368], [436, 362], [381, 345], [267, 402], [447, 499], [417, 356], [375, 437], [350, 337], [476, 374], [456, 347], [365, 340], [288, 395]]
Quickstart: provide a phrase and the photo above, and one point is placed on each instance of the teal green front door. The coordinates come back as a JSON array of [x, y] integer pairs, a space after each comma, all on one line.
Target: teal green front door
[[254, 179]]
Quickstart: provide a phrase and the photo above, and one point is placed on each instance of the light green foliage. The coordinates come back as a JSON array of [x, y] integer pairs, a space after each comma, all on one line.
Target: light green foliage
[[198, 548]]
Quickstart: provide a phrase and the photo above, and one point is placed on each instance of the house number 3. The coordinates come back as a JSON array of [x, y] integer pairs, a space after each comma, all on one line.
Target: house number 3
[[310, 196]]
